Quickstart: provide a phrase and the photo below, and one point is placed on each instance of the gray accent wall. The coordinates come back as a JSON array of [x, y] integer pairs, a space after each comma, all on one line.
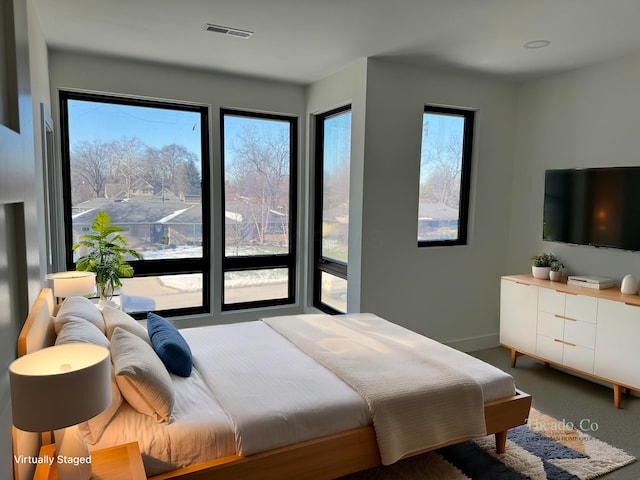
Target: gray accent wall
[[21, 231]]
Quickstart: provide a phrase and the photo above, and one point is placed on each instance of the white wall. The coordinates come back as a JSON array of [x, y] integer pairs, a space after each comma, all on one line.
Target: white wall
[[448, 293], [110, 75], [585, 118]]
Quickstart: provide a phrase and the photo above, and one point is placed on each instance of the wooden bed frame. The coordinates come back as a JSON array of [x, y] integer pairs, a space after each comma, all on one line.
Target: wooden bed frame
[[323, 458]]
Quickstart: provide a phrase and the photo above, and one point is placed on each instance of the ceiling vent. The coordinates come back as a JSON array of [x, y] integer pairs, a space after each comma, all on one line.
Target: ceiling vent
[[234, 32]]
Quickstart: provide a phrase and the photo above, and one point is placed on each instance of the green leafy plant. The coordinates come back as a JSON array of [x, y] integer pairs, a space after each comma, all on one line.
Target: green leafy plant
[[544, 260], [556, 266], [107, 255]]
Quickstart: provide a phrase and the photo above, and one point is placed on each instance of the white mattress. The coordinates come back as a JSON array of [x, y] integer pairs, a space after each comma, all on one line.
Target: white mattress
[[252, 390]]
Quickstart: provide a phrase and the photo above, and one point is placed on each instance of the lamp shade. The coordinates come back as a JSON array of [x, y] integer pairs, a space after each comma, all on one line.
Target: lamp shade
[[68, 284], [59, 386]]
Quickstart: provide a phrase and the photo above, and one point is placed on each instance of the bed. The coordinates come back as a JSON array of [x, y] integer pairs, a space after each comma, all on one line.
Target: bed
[[340, 437]]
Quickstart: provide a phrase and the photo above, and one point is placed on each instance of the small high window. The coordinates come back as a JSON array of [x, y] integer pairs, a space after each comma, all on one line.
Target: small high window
[[445, 171]]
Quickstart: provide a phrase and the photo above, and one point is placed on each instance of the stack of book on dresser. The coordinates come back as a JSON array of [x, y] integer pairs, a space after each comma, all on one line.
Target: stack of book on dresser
[[597, 283]]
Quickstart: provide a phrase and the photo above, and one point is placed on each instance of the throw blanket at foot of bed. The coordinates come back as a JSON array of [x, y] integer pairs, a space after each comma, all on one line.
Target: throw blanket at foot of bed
[[417, 400]]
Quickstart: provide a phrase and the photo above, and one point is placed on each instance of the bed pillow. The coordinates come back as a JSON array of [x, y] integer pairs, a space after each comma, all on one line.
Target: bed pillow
[[93, 428], [78, 307], [78, 330], [142, 378], [170, 345], [114, 318]]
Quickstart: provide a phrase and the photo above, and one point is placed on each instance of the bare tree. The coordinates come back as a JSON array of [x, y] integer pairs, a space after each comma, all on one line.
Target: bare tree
[[125, 155], [171, 168], [90, 162], [261, 164], [441, 169]]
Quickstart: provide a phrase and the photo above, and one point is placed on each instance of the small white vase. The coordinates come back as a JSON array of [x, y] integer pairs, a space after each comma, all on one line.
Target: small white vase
[[629, 285], [555, 275], [541, 272]]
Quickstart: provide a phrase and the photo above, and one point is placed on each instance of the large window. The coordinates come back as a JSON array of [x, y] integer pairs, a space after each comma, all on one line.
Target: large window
[[333, 157], [445, 170], [145, 163], [259, 209]]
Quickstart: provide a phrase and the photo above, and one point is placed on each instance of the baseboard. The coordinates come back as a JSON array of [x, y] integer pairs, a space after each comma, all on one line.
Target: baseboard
[[471, 344]]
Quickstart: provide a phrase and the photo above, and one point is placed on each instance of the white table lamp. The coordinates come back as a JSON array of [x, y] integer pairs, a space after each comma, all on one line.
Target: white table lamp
[[69, 284], [59, 387]]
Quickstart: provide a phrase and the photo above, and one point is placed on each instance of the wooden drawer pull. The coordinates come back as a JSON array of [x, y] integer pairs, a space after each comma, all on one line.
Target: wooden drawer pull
[[565, 318], [631, 304], [564, 343]]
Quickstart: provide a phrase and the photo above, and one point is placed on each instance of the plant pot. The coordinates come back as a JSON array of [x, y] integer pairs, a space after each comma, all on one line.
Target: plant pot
[[105, 292], [541, 272], [555, 276]]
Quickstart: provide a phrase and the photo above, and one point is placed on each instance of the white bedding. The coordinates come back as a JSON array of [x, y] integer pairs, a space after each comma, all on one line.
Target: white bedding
[[274, 393], [199, 429], [252, 390]]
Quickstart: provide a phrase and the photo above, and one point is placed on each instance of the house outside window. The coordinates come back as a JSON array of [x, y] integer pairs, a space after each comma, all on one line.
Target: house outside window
[[146, 164], [445, 171], [259, 209]]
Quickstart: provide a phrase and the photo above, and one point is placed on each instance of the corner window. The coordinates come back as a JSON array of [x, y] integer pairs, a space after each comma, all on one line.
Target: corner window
[[145, 163], [331, 229], [445, 171], [259, 209]]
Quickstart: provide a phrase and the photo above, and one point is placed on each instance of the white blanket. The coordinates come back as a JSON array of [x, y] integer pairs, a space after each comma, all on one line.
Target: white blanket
[[417, 400]]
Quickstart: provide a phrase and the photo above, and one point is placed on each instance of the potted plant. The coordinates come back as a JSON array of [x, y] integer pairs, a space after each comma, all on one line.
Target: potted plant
[[541, 265], [106, 255], [555, 274]]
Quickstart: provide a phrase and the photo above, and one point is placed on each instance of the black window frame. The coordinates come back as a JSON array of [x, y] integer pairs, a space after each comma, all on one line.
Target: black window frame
[[323, 264], [147, 268], [263, 262], [465, 176]]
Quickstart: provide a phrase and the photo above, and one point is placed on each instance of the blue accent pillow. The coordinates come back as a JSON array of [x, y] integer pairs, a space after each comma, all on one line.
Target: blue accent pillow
[[170, 345]]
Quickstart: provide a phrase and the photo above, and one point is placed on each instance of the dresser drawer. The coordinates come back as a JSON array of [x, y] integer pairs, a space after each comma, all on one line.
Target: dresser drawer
[[550, 325], [578, 357], [581, 307], [580, 333], [551, 301], [549, 348]]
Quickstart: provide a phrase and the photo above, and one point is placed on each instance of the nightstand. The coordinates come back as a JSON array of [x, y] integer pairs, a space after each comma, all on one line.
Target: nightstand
[[123, 462]]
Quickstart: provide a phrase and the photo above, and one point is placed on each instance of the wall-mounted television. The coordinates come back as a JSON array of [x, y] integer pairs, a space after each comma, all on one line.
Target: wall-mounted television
[[593, 206]]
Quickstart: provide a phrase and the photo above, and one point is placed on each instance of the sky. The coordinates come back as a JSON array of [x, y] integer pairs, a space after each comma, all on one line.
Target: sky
[[154, 126]]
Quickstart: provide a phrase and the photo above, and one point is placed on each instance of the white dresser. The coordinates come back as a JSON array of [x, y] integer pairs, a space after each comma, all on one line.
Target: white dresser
[[592, 332]]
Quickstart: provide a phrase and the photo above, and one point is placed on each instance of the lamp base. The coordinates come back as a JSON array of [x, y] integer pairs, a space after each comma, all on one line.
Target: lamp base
[[73, 461]]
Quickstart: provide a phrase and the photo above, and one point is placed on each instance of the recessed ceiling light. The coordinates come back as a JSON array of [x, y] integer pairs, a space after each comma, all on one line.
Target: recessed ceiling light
[[537, 44], [234, 32]]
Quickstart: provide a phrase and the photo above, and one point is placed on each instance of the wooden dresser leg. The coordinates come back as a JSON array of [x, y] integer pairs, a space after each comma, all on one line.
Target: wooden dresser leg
[[617, 393], [514, 356], [501, 442]]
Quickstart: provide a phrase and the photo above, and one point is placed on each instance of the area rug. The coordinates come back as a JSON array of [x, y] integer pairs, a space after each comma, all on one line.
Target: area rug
[[544, 448]]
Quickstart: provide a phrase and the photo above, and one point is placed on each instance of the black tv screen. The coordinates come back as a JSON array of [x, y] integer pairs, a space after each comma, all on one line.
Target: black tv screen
[[593, 206]]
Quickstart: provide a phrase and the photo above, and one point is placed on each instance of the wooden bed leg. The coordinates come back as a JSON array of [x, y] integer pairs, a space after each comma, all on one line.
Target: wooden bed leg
[[501, 442]]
